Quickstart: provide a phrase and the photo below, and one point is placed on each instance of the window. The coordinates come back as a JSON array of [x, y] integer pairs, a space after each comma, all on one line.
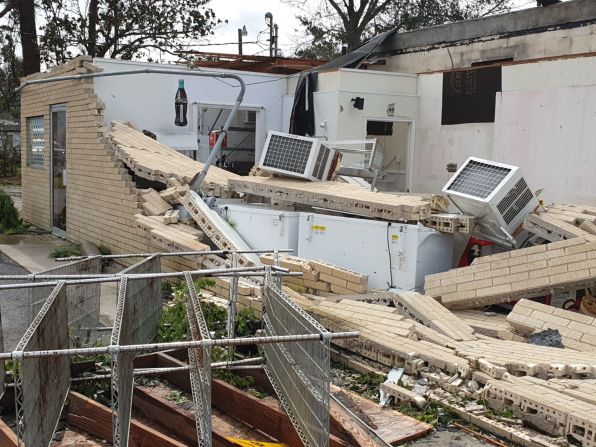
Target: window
[[469, 96], [35, 141]]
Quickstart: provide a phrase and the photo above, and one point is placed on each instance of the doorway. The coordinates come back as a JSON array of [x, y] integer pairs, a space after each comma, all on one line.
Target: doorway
[[394, 142], [58, 178]]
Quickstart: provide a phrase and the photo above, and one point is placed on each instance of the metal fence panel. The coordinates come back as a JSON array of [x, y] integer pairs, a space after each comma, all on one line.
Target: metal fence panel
[[83, 300], [200, 363], [41, 384], [299, 372], [146, 299]]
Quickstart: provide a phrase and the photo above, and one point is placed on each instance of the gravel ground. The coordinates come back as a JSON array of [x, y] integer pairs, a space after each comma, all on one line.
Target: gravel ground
[[13, 303]]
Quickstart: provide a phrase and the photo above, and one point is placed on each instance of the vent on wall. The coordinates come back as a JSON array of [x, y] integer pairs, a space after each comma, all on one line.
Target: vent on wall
[[496, 194], [298, 156]]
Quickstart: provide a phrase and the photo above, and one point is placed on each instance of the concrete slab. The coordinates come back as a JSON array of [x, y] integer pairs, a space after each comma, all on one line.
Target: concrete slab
[[31, 251]]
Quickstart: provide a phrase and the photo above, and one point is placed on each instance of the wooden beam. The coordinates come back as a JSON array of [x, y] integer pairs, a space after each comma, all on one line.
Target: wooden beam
[[259, 413], [172, 418], [96, 419], [8, 438]]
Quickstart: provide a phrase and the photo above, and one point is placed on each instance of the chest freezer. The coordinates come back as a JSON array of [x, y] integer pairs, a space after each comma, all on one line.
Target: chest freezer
[[393, 255]]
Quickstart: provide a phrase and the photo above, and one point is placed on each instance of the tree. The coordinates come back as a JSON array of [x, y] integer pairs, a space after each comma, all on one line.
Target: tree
[[331, 24], [11, 70], [23, 13], [123, 29]]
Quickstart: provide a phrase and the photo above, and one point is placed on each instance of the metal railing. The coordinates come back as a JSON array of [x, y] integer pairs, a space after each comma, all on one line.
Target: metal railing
[[296, 349]]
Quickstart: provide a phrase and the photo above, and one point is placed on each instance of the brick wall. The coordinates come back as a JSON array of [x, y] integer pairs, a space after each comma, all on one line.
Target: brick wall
[[101, 198]]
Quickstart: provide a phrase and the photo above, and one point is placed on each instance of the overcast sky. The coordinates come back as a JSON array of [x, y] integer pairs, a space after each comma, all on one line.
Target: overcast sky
[[252, 14]]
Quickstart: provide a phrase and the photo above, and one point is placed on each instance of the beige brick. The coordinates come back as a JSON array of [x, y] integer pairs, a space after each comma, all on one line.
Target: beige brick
[[495, 290], [510, 278], [574, 316], [529, 251], [548, 271], [570, 277], [567, 243], [528, 266], [474, 285], [333, 280], [491, 273], [567, 259], [581, 248]]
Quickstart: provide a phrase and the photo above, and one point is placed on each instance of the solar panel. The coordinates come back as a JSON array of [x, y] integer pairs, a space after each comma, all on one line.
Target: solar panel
[[287, 153], [478, 179]]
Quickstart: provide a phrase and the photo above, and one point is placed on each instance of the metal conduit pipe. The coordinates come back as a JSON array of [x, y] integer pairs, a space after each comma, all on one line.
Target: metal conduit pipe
[[91, 279], [177, 253], [198, 179], [155, 347]]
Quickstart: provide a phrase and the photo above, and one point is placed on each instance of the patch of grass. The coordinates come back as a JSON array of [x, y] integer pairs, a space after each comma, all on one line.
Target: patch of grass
[[10, 222], [66, 250], [173, 325], [433, 414], [177, 397]]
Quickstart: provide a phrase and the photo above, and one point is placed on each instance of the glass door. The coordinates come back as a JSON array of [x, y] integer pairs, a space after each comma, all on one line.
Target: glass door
[[58, 169]]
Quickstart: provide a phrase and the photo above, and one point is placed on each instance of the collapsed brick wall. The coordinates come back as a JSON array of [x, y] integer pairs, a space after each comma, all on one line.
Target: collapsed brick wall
[[101, 197]]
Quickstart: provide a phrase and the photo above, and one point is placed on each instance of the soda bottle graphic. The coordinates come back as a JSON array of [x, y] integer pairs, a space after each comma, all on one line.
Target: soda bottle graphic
[[181, 105]]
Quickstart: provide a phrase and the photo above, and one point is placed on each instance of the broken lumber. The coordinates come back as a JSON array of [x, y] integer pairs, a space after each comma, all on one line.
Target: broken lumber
[[172, 418], [262, 415], [525, 273], [577, 331], [8, 437], [337, 197], [96, 419]]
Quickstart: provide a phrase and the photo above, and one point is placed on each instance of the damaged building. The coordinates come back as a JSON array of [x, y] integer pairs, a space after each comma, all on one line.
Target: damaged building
[[416, 182]]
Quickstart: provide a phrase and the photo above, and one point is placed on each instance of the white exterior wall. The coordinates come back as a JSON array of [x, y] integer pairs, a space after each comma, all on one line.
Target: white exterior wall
[[147, 100], [523, 47], [545, 122]]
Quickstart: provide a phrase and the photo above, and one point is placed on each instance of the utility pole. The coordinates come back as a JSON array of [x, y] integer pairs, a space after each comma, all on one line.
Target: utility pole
[[269, 22], [275, 53], [241, 32]]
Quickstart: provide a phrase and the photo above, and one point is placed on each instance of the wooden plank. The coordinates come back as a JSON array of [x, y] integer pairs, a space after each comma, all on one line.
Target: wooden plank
[[96, 419], [392, 426], [8, 438], [172, 418], [261, 414]]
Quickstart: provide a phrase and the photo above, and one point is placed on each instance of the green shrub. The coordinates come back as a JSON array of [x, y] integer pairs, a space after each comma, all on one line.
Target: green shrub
[[10, 222], [66, 250]]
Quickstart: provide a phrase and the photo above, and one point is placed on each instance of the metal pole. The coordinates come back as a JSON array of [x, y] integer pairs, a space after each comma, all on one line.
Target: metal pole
[[155, 347], [198, 180], [275, 50], [232, 306], [178, 253], [240, 41], [92, 279]]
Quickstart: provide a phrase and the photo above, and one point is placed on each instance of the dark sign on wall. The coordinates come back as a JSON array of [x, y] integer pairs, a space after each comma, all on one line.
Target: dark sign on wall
[[469, 95]]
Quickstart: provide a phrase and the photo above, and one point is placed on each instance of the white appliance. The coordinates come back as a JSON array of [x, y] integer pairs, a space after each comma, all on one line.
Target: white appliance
[[496, 194], [297, 156], [260, 226], [393, 255]]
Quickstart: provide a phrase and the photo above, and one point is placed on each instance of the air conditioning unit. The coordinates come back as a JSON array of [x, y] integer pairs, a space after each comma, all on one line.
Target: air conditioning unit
[[296, 156], [496, 194], [248, 116]]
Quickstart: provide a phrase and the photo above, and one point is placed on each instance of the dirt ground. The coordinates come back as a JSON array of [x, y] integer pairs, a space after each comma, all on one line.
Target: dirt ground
[[448, 438]]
